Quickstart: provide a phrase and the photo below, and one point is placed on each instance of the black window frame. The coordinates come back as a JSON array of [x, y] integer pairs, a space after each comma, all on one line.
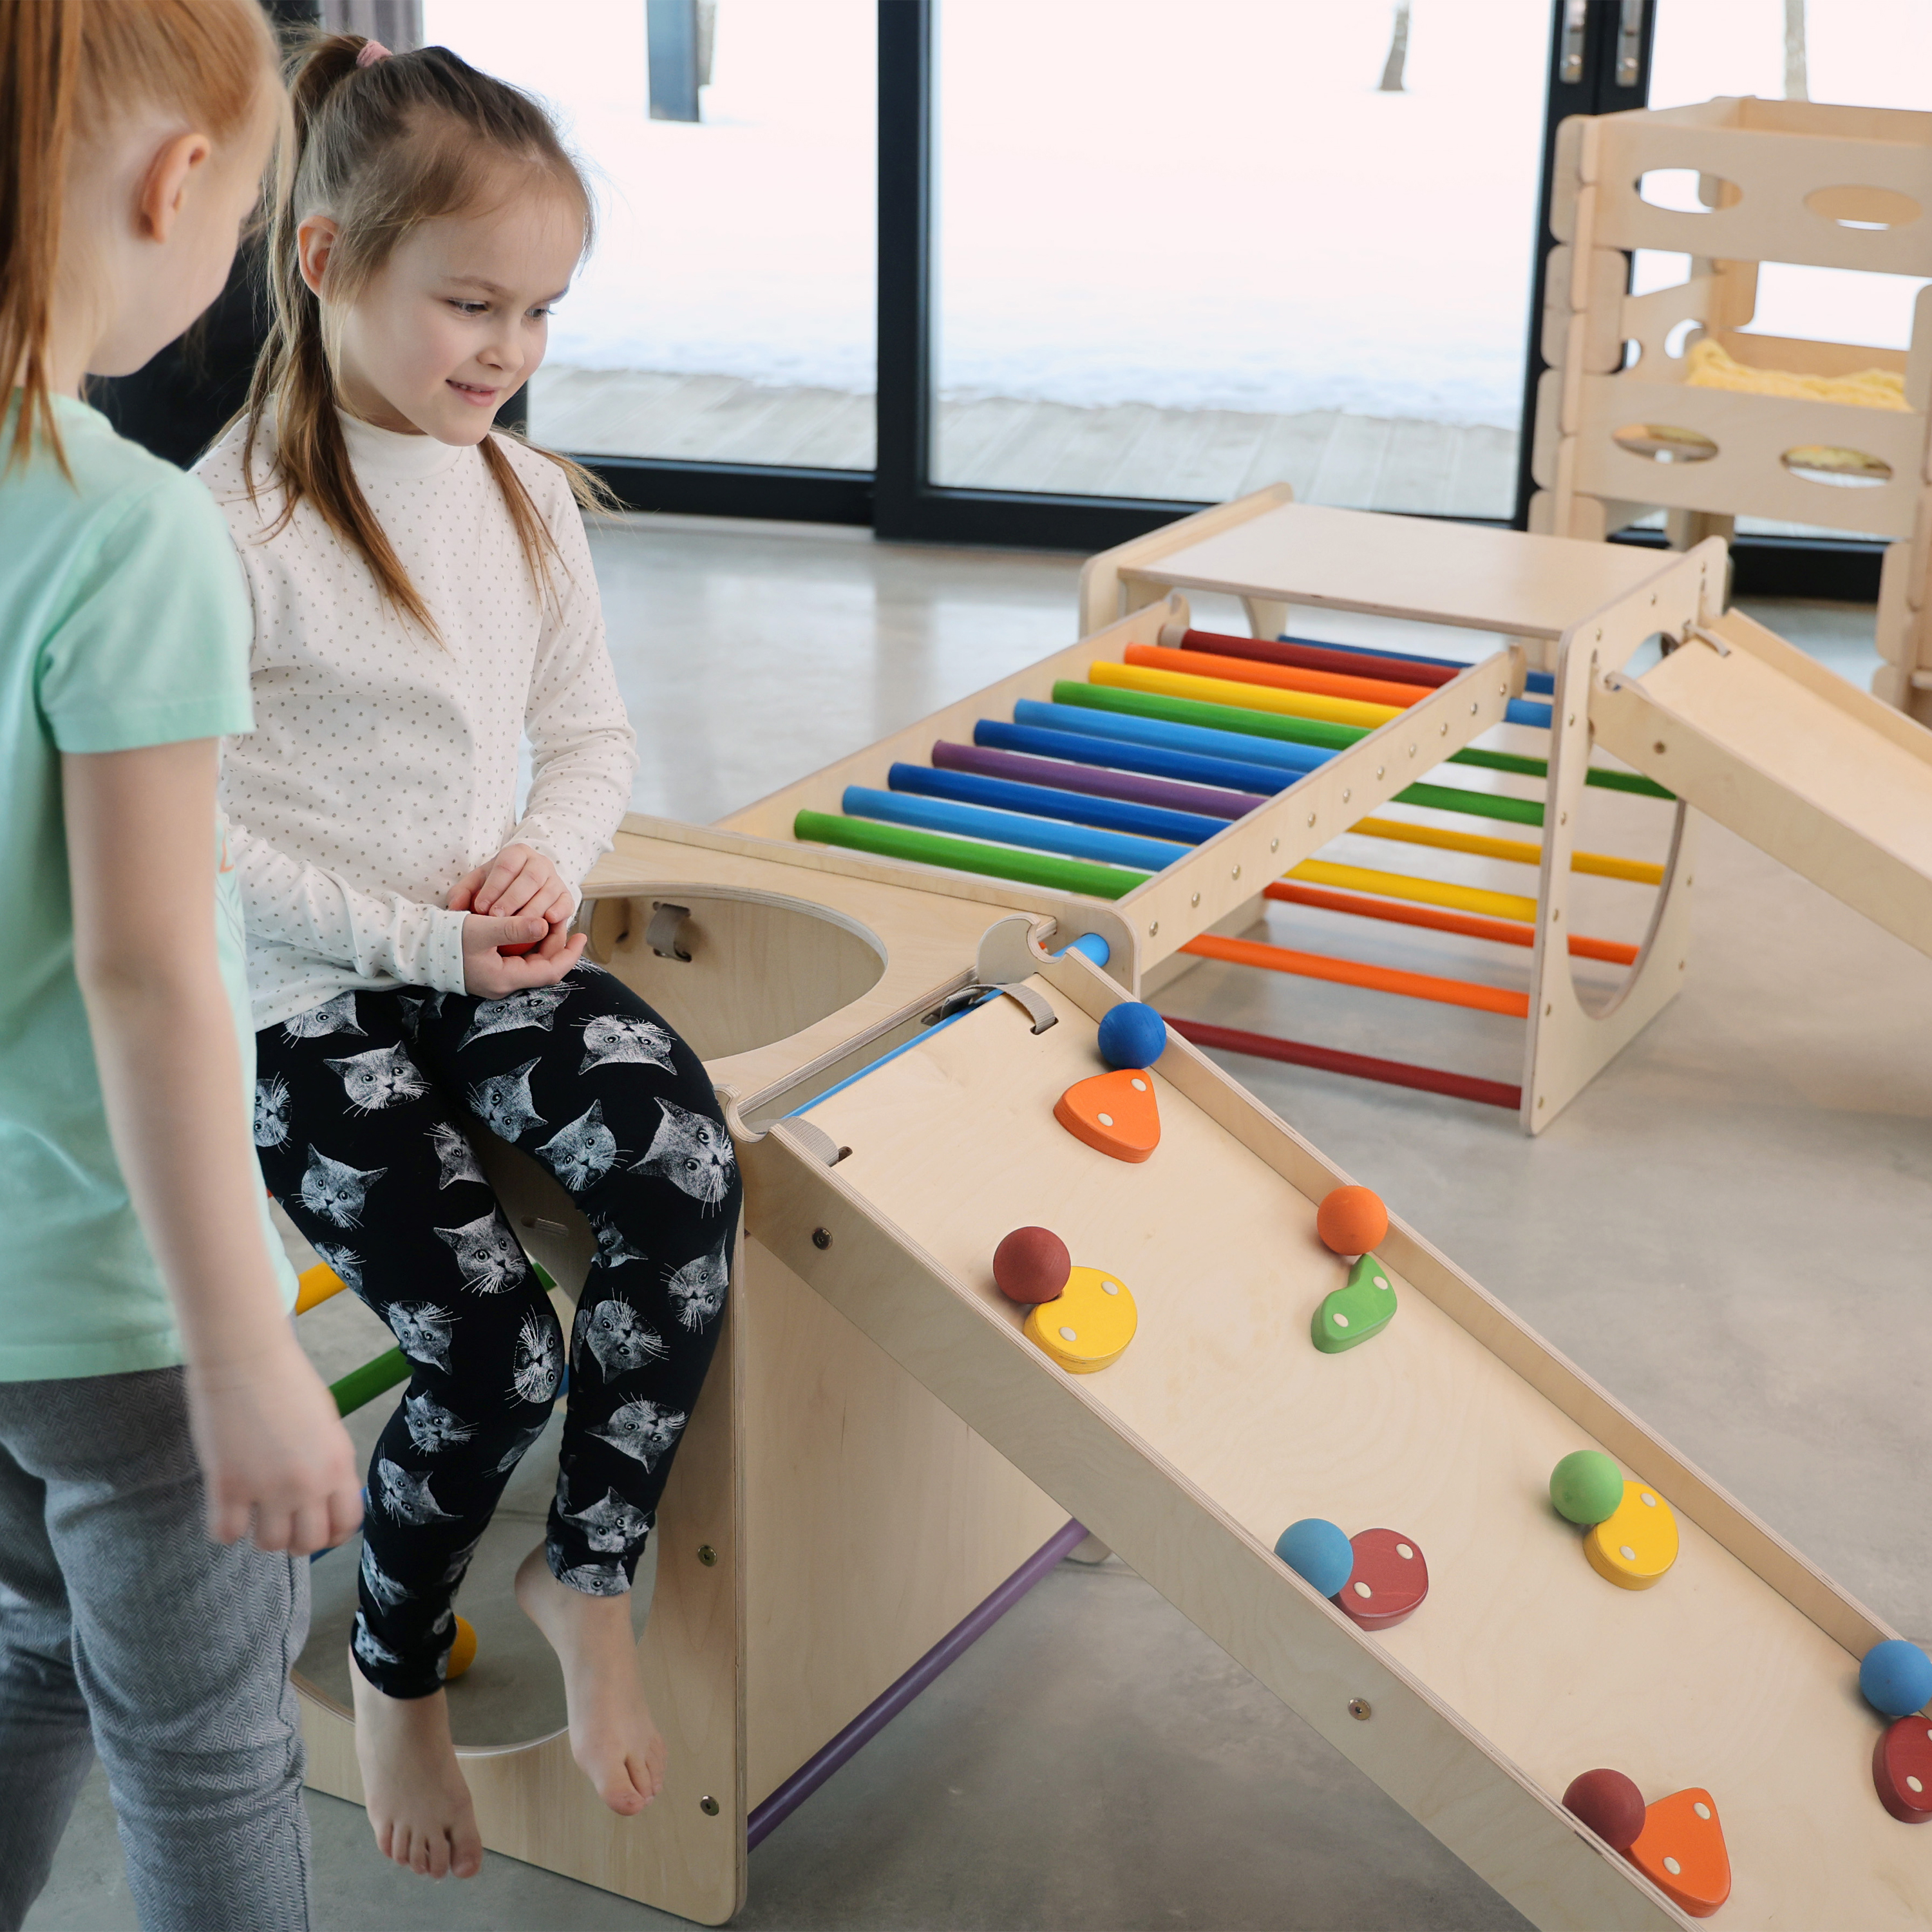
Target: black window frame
[[901, 501]]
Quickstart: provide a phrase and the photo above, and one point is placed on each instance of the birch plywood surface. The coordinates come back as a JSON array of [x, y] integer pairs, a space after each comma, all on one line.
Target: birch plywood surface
[[1712, 1678], [1480, 580]]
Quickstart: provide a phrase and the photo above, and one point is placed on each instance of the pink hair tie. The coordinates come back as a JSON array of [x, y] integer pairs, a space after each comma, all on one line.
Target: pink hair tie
[[371, 51]]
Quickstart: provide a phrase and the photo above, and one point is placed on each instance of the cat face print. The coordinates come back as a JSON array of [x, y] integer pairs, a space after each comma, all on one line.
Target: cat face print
[[405, 1496], [697, 1290], [385, 1076], [533, 1007], [613, 1249], [520, 1448], [455, 1158], [619, 1040], [693, 1153], [380, 1584], [432, 1427], [410, 1006], [272, 1112], [503, 1103], [612, 1527], [539, 1365], [644, 1430], [592, 1580], [346, 1262], [335, 1016], [335, 1190], [455, 1571], [369, 1647], [422, 1331], [487, 1253], [583, 1152], [615, 1334]]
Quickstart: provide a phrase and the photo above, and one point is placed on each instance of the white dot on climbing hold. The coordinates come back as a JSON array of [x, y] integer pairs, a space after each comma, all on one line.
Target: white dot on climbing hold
[[1105, 1120], [1068, 1335], [1110, 1288], [1703, 1811], [1339, 1320], [1362, 1590], [1673, 1867], [1380, 1282], [1627, 1552], [1402, 1550], [1649, 1501], [1140, 1086], [1914, 1784]]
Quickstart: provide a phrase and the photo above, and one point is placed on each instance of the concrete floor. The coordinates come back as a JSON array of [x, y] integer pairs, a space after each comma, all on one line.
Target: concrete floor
[[1728, 1228]]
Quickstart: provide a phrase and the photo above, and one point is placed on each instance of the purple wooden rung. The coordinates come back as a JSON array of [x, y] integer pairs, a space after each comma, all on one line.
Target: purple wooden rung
[[884, 1708], [1210, 800]]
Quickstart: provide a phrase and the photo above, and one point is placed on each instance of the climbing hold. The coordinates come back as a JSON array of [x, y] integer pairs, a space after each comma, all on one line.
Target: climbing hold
[[462, 1649], [1902, 1769], [1388, 1582], [1586, 1486], [1088, 1324], [1634, 1547], [1609, 1803], [1352, 1220], [1115, 1112], [1896, 1678], [1680, 1850], [1132, 1034], [1364, 1306], [1031, 1265], [1317, 1551]]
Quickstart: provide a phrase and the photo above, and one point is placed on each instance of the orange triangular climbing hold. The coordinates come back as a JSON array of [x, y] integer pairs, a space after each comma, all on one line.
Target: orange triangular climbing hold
[[1680, 1850], [1115, 1112]]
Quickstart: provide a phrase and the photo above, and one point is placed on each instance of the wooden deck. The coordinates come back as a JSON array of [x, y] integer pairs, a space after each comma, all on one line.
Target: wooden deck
[[1131, 449]]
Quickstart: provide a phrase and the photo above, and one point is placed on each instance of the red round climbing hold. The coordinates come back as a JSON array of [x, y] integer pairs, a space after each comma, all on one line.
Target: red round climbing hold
[[1031, 1265], [1352, 1220], [1610, 1804]]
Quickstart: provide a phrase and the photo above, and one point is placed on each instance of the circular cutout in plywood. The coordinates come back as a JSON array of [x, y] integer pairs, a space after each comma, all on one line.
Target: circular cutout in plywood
[[1838, 469], [1677, 343], [1665, 442], [1685, 191], [1859, 207]]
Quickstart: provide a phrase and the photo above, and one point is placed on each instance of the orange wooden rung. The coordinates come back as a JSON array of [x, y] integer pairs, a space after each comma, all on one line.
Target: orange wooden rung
[[1354, 972], [1278, 677], [1471, 924]]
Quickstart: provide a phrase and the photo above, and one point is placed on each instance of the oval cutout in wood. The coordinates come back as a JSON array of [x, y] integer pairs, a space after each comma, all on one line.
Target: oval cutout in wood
[[1685, 191], [1664, 442], [1839, 469], [1856, 207], [1677, 344]]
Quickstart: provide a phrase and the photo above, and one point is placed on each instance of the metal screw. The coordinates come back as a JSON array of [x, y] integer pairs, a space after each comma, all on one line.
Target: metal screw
[[1600, 636], [1472, 712], [1358, 1709], [1347, 794], [1311, 818], [1550, 1008], [1195, 900], [1563, 818], [1658, 746], [1442, 730], [706, 1555], [1381, 770], [1236, 873], [708, 1805], [1411, 751], [1274, 844], [1539, 1102], [1153, 926], [821, 1237]]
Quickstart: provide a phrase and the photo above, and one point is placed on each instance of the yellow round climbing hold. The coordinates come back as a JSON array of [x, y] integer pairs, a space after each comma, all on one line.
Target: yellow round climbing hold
[[1635, 1546], [1088, 1324]]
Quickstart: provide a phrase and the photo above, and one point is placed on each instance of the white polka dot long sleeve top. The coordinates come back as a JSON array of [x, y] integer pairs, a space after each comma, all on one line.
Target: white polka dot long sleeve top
[[383, 763]]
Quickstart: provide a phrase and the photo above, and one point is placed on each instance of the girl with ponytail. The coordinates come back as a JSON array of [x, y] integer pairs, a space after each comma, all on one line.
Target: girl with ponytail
[[155, 1408], [424, 599]]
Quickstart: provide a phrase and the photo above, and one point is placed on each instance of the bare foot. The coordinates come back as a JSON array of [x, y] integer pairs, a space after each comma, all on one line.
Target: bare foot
[[616, 1745], [419, 1807]]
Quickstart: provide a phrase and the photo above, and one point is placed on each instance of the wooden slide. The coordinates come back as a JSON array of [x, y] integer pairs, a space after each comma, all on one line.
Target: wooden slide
[[1763, 739]]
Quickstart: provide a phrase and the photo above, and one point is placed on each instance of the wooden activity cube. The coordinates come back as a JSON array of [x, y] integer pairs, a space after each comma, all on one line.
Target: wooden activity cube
[[1781, 181]]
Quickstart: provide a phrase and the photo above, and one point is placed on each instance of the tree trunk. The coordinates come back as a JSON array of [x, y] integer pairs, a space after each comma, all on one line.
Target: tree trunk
[[1398, 53], [1797, 81]]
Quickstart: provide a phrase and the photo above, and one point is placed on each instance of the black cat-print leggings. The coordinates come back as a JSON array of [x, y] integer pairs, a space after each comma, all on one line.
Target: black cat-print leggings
[[364, 1109]]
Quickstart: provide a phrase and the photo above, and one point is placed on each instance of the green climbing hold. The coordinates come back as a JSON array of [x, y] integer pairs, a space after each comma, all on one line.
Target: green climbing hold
[[1361, 1308], [1587, 1487]]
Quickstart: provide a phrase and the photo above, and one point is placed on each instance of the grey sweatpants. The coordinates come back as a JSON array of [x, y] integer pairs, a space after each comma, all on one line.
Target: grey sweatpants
[[123, 1630]]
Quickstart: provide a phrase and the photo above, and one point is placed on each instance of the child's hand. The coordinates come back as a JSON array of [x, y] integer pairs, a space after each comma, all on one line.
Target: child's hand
[[516, 880], [490, 970], [273, 1449]]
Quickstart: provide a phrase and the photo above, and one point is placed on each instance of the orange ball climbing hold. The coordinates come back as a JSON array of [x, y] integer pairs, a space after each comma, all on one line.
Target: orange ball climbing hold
[[1352, 1220], [462, 1649]]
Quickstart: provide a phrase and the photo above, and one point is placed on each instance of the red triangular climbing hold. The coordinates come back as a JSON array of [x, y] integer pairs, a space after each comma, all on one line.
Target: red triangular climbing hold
[[1680, 1850], [1115, 1112]]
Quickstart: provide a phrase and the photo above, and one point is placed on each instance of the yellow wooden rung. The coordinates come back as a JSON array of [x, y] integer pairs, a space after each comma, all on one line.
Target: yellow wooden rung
[[1517, 851], [315, 1285], [1424, 892]]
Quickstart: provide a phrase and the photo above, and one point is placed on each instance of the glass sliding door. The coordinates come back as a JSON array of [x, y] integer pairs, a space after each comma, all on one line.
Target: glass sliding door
[[727, 316], [1179, 252]]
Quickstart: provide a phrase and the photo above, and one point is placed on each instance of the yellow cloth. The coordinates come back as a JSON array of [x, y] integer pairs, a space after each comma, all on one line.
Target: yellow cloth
[[1712, 368]]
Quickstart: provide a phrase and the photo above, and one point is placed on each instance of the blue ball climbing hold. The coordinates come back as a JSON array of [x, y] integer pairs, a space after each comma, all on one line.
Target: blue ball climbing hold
[[1133, 1034], [1318, 1552], [1896, 1678]]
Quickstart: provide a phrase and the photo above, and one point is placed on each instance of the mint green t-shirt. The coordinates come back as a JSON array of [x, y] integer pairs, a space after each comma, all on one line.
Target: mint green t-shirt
[[124, 622]]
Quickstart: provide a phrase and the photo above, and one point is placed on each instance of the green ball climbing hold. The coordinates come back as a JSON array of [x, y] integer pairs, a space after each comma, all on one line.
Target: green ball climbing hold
[[1587, 1487]]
